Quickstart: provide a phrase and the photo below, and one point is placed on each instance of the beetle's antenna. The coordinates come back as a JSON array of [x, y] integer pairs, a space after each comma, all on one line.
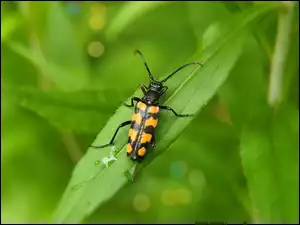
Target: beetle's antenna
[[145, 63], [164, 80]]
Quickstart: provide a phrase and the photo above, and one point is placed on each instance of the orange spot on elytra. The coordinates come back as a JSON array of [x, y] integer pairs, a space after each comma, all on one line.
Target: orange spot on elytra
[[137, 117], [151, 122], [133, 134], [142, 151], [146, 138], [129, 148], [153, 109], [142, 106]]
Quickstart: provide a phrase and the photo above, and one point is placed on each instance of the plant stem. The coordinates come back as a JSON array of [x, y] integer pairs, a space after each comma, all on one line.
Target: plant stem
[[279, 56]]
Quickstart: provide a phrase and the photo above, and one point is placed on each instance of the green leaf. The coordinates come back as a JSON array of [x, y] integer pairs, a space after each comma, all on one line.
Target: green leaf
[[268, 139], [203, 13], [93, 183], [83, 111], [58, 55], [216, 146], [9, 24], [131, 11], [238, 89], [60, 42], [269, 152], [61, 76]]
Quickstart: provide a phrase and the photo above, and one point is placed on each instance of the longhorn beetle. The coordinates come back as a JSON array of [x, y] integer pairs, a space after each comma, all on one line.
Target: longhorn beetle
[[145, 117]]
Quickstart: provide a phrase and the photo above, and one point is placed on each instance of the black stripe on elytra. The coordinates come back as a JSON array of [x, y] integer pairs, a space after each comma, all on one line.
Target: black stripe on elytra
[[135, 126], [153, 115], [132, 143], [149, 129], [136, 144]]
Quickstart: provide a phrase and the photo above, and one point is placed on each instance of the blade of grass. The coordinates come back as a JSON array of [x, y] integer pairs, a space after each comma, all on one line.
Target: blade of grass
[[93, 183], [80, 201], [285, 22], [268, 146], [58, 57], [83, 111], [9, 24], [60, 44], [270, 158], [131, 11], [57, 73]]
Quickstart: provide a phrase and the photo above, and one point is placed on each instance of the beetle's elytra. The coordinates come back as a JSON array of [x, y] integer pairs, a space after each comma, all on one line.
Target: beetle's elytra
[[146, 114], [141, 133]]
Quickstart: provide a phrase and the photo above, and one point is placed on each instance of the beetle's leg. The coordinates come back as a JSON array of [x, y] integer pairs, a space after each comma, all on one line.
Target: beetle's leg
[[134, 173], [176, 114], [153, 141], [164, 89], [132, 99], [144, 88], [112, 140]]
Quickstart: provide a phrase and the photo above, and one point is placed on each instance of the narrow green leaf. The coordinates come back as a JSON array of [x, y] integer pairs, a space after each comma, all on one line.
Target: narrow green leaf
[[58, 55], [238, 89], [270, 157], [9, 24], [197, 89], [131, 11], [203, 13], [93, 183], [268, 139], [61, 76], [68, 118], [83, 111], [60, 42], [285, 21]]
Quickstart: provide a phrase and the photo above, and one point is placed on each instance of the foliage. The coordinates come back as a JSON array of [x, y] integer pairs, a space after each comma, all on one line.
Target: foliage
[[69, 66]]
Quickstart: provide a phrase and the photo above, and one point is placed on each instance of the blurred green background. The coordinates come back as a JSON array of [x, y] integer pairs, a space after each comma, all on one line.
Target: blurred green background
[[66, 68]]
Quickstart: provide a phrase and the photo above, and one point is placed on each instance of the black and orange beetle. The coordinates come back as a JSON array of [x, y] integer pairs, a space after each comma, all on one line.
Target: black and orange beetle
[[146, 113]]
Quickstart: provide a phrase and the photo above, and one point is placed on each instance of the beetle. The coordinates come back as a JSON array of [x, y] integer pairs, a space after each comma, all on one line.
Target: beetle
[[146, 114]]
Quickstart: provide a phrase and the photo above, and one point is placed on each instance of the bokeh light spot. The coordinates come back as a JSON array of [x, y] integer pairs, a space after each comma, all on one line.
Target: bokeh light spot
[[98, 17], [141, 202], [96, 22], [178, 169], [96, 49], [74, 8], [183, 196], [176, 197], [197, 179], [99, 8], [167, 197]]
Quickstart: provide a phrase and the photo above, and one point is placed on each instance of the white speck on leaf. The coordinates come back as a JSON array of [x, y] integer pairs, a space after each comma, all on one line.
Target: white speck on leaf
[[105, 161], [112, 156]]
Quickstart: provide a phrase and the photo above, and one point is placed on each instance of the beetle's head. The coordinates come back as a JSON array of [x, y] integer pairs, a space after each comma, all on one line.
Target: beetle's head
[[155, 86], [154, 91]]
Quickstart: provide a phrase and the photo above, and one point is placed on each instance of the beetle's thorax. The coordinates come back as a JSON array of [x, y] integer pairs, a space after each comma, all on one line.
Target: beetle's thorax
[[151, 97], [153, 94]]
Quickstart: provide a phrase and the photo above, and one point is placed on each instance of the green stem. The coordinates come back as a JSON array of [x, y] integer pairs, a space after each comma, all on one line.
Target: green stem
[[280, 52]]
